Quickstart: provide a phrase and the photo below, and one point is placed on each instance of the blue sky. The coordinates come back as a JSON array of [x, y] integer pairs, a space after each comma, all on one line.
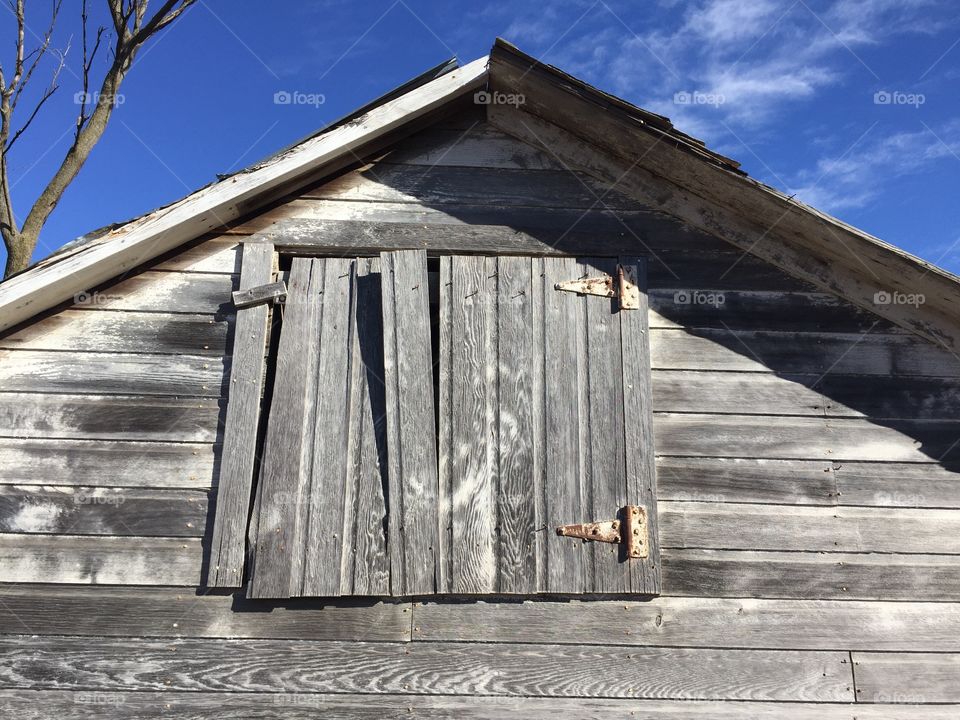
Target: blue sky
[[852, 105]]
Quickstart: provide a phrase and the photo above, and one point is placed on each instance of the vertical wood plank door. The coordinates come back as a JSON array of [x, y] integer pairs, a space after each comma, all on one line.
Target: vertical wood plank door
[[544, 420], [319, 526]]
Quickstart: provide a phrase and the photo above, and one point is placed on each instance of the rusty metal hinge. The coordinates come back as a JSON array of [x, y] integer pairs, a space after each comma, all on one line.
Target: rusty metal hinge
[[629, 530], [624, 287]]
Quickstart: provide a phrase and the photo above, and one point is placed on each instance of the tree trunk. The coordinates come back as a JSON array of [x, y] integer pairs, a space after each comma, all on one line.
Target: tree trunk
[[19, 252]]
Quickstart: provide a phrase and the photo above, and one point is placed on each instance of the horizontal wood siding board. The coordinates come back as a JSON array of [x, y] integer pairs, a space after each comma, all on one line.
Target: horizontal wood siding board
[[896, 678], [32, 371], [751, 309], [109, 417], [51, 510], [172, 612], [211, 254], [478, 145], [44, 704], [699, 622], [709, 479], [76, 559], [167, 292], [103, 463], [899, 485], [492, 186], [806, 438], [876, 397], [293, 223], [492, 670], [787, 352], [801, 575], [120, 331], [732, 526], [600, 235]]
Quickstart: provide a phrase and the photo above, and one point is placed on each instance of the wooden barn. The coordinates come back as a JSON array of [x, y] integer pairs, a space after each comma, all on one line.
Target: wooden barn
[[499, 398]]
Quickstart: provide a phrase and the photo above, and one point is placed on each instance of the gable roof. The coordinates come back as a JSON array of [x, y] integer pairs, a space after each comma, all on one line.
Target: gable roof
[[639, 153]]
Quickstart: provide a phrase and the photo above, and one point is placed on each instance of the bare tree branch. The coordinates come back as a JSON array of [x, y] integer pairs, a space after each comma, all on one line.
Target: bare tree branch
[[133, 28]]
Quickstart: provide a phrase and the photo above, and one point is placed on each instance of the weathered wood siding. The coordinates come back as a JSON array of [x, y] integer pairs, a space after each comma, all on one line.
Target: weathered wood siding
[[807, 457]]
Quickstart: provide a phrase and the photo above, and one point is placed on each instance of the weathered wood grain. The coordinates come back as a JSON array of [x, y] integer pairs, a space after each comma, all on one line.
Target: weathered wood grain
[[802, 575], [474, 145], [210, 254], [32, 371], [108, 417], [451, 668], [101, 705], [123, 332], [357, 236], [366, 565], [707, 479], [107, 463], [899, 678], [153, 291], [732, 526], [326, 536], [276, 530], [713, 269], [330, 513], [414, 541], [746, 308], [99, 560], [479, 145], [567, 502], [615, 465], [806, 438], [241, 426], [699, 622], [638, 402], [786, 352], [171, 612], [295, 221], [480, 185], [832, 395], [61, 510], [932, 485], [519, 437], [470, 417]]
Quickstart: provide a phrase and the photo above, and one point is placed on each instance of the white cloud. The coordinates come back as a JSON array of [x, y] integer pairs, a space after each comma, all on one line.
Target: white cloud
[[855, 177]]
